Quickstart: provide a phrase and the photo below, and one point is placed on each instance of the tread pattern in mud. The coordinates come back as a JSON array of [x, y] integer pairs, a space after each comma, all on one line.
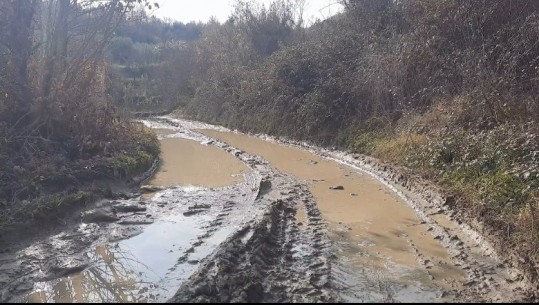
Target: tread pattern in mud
[[271, 259]]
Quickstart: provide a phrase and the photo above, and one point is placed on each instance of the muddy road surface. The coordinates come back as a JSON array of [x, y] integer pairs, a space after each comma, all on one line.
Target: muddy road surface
[[236, 218]]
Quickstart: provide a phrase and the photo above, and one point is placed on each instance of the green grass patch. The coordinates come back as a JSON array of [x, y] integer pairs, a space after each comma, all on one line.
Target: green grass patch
[[43, 208], [502, 191], [495, 173], [138, 155]]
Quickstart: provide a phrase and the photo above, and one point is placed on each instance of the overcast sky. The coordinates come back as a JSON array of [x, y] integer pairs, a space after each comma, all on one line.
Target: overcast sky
[[201, 10]]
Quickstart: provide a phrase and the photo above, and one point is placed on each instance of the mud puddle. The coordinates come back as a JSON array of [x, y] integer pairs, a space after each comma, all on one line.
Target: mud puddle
[[183, 221], [375, 234], [150, 265], [187, 161]]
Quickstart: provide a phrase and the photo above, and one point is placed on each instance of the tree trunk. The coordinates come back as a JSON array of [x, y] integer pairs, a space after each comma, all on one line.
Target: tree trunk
[[20, 45], [57, 55]]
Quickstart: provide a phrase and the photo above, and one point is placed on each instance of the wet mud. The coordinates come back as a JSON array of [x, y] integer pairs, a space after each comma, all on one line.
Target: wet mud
[[374, 232], [234, 218]]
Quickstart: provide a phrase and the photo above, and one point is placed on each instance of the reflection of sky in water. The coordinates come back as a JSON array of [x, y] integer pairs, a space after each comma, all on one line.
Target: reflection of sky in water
[[109, 279], [133, 270], [154, 245]]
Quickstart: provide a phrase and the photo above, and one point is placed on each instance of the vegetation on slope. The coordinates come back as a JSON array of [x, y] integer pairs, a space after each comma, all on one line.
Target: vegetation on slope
[[58, 131]]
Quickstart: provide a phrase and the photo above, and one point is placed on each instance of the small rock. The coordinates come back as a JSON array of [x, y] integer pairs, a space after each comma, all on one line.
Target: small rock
[[337, 187], [199, 207], [127, 208], [192, 212], [450, 201], [98, 215], [353, 194], [150, 188]]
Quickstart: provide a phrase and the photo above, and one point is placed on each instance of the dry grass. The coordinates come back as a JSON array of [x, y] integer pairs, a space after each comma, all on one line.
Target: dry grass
[[396, 149]]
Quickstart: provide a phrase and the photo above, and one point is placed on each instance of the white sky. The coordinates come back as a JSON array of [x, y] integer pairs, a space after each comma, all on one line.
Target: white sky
[[201, 10]]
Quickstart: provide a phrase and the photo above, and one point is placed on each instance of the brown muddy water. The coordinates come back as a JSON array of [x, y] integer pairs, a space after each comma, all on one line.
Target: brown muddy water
[[190, 162], [381, 251], [374, 230]]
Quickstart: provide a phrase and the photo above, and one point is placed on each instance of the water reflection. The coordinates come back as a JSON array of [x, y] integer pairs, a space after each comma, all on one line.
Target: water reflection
[[140, 269], [112, 278]]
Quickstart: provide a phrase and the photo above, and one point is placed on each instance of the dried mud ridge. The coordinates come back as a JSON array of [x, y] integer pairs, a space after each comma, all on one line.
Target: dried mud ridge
[[257, 248]]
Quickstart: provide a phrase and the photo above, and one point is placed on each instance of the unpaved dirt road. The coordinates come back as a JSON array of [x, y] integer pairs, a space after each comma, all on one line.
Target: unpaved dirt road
[[234, 218]]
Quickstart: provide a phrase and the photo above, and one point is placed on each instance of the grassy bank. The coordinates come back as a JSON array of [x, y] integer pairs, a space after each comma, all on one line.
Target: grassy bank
[[47, 189], [492, 174]]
